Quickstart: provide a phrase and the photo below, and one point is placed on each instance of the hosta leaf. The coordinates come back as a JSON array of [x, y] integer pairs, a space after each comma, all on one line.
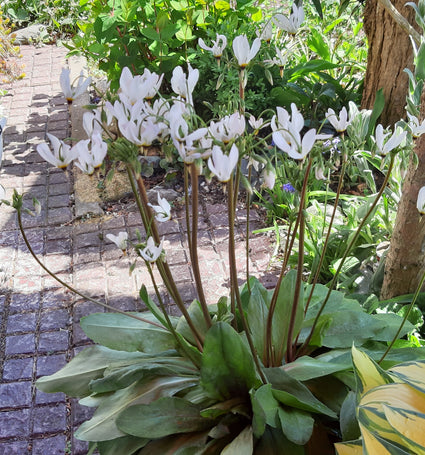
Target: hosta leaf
[[163, 417], [272, 438], [410, 425], [296, 425], [374, 444], [243, 444], [411, 372], [227, 368], [74, 378], [123, 333], [103, 427], [349, 448], [368, 373]]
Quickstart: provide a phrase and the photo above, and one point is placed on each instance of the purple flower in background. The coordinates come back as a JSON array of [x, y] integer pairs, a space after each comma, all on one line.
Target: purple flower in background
[[288, 188]]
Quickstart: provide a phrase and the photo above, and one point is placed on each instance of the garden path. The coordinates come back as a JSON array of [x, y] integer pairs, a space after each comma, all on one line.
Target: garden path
[[39, 329]]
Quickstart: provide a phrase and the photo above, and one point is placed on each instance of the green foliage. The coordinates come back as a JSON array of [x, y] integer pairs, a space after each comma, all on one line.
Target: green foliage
[[155, 398], [9, 53], [59, 15]]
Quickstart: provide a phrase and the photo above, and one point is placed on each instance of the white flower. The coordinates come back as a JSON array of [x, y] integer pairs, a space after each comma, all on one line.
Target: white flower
[[222, 165], [269, 177], [187, 144], [257, 124], [228, 128], [62, 153], [151, 252], [68, 89], [142, 132], [318, 173], [243, 52], [90, 158], [139, 87], [416, 128], [280, 60], [182, 85], [162, 210], [266, 33], [420, 204], [120, 240], [291, 24], [383, 146], [218, 45], [340, 124], [92, 122]]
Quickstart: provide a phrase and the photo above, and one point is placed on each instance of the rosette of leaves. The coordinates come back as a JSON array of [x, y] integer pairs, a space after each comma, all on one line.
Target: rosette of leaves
[[157, 392]]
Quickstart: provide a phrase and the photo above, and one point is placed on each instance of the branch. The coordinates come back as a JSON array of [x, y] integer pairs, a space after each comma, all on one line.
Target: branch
[[401, 20]]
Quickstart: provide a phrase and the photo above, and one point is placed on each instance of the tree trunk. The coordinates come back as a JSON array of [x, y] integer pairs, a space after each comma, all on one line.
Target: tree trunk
[[405, 261], [390, 51]]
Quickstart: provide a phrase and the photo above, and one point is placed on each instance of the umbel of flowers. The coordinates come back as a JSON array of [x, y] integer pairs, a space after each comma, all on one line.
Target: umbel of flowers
[[244, 375]]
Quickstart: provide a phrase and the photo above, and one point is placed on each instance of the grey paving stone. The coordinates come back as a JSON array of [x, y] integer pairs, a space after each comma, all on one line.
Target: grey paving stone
[[49, 364], [24, 302], [49, 419], [18, 369], [20, 344], [14, 423], [54, 445], [15, 394], [14, 448], [46, 398], [24, 322], [53, 341], [54, 319]]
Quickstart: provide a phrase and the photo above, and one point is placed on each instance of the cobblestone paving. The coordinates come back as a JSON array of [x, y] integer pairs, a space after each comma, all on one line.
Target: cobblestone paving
[[39, 329]]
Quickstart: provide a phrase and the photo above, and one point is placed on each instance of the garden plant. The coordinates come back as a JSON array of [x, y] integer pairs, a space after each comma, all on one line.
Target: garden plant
[[261, 370]]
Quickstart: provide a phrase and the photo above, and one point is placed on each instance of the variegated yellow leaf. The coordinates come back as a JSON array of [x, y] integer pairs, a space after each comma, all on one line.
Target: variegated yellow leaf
[[373, 418], [410, 425], [349, 448], [371, 445], [368, 372], [411, 372]]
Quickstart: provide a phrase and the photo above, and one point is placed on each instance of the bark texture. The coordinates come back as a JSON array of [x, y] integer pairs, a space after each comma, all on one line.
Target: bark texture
[[390, 51], [405, 262]]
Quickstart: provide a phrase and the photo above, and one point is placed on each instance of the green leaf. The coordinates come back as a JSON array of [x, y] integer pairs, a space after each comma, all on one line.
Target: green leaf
[[378, 107], [227, 368], [152, 307], [264, 407], [291, 392], [103, 427], [297, 425], [347, 419], [272, 438], [180, 444], [282, 314], [74, 378], [123, 445], [305, 368], [151, 34], [121, 377], [197, 316], [420, 63], [243, 444], [255, 303], [123, 333], [318, 45], [163, 417]]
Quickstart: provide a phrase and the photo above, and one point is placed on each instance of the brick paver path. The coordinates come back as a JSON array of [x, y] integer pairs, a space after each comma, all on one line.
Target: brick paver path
[[39, 329]]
